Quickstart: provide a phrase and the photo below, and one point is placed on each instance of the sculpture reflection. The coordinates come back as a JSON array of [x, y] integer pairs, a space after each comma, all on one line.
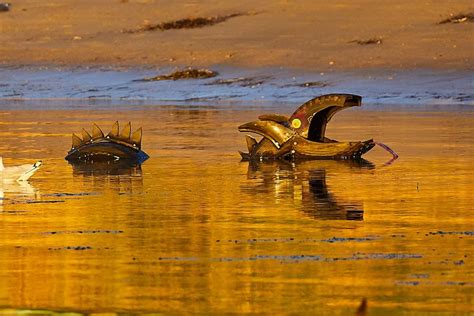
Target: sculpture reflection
[[305, 182], [120, 177], [118, 168]]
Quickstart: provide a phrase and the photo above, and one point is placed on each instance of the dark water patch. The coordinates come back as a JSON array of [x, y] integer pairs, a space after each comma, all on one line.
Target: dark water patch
[[43, 202], [295, 240], [189, 73], [16, 212], [459, 18], [409, 283], [439, 232], [370, 41], [464, 97], [458, 283], [13, 94], [347, 239], [449, 283], [65, 194], [84, 232], [76, 248], [419, 276], [382, 256], [256, 240], [301, 257], [35, 201], [102, 96], [187, 23], [398, 236]]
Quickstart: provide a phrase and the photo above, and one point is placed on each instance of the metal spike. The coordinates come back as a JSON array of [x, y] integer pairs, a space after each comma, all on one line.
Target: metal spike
[[97, 132], [76, 141], [136, 138], [86, 136], [250, 142], [126, 131], [115, 130]]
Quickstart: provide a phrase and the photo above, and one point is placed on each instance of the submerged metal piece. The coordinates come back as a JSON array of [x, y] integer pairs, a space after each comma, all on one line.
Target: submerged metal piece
[[302, 135], [116, 146]]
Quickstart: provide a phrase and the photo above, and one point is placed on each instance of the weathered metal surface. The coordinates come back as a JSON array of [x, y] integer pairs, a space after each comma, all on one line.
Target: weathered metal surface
[[117, 145], [302, 136]]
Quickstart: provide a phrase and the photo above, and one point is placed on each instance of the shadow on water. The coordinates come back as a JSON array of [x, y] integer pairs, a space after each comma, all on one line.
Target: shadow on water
[[306, 182]]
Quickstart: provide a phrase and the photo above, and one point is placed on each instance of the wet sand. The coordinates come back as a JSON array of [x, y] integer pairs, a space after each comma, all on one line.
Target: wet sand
[[311, 35], [197, 231], [23, 87]]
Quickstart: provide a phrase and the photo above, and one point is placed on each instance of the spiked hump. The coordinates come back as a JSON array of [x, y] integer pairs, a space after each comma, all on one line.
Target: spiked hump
[[116, 145]]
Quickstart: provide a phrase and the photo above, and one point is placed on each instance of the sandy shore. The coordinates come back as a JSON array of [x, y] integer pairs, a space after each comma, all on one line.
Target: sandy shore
[[311, 35]]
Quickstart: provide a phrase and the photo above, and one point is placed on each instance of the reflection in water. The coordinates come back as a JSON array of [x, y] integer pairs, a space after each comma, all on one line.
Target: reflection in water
[[120, 176], [306, 182], [120, 167], [12, 191], [96, 241]]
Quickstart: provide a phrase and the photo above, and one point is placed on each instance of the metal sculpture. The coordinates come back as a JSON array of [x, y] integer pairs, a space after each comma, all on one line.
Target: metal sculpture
[[302, 135], [117, 146]]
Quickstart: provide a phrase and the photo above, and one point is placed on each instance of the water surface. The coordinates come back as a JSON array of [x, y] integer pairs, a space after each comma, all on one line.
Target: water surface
[[196, 230]]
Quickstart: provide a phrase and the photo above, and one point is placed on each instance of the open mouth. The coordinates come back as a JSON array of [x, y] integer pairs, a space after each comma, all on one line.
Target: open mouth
[[302, 135]]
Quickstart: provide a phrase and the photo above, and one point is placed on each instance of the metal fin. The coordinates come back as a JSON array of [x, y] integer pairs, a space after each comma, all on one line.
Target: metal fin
[[97, 132], [251, 142], [136, 138], [86, 136], [274, 117], [76, 141], [275, 132], [115, 130], [126, 131]]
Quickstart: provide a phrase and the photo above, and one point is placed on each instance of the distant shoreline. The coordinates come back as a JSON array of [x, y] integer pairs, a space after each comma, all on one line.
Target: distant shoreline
[[231, 85]]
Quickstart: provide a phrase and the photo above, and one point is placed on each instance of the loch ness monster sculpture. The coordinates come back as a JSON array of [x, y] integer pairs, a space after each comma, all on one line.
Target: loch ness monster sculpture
[[116, 146], [302, 135]]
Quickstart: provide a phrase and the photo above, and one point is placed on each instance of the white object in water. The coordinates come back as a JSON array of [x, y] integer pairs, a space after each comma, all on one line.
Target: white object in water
[[18, 173]]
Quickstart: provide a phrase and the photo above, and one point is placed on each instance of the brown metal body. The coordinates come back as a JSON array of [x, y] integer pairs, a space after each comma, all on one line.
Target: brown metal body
[[302, 135]]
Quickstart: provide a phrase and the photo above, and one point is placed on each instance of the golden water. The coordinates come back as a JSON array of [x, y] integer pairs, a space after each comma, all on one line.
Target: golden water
[[196, 230]]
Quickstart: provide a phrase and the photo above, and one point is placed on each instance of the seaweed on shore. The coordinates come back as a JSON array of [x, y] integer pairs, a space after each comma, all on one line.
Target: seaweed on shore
[[459, 18], [370, 41], [241, 81], [189, 73], [187, 23]]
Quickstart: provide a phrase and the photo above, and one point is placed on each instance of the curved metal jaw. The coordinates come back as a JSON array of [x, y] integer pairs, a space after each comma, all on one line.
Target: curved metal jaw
[[302, 136], [116, 146]]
